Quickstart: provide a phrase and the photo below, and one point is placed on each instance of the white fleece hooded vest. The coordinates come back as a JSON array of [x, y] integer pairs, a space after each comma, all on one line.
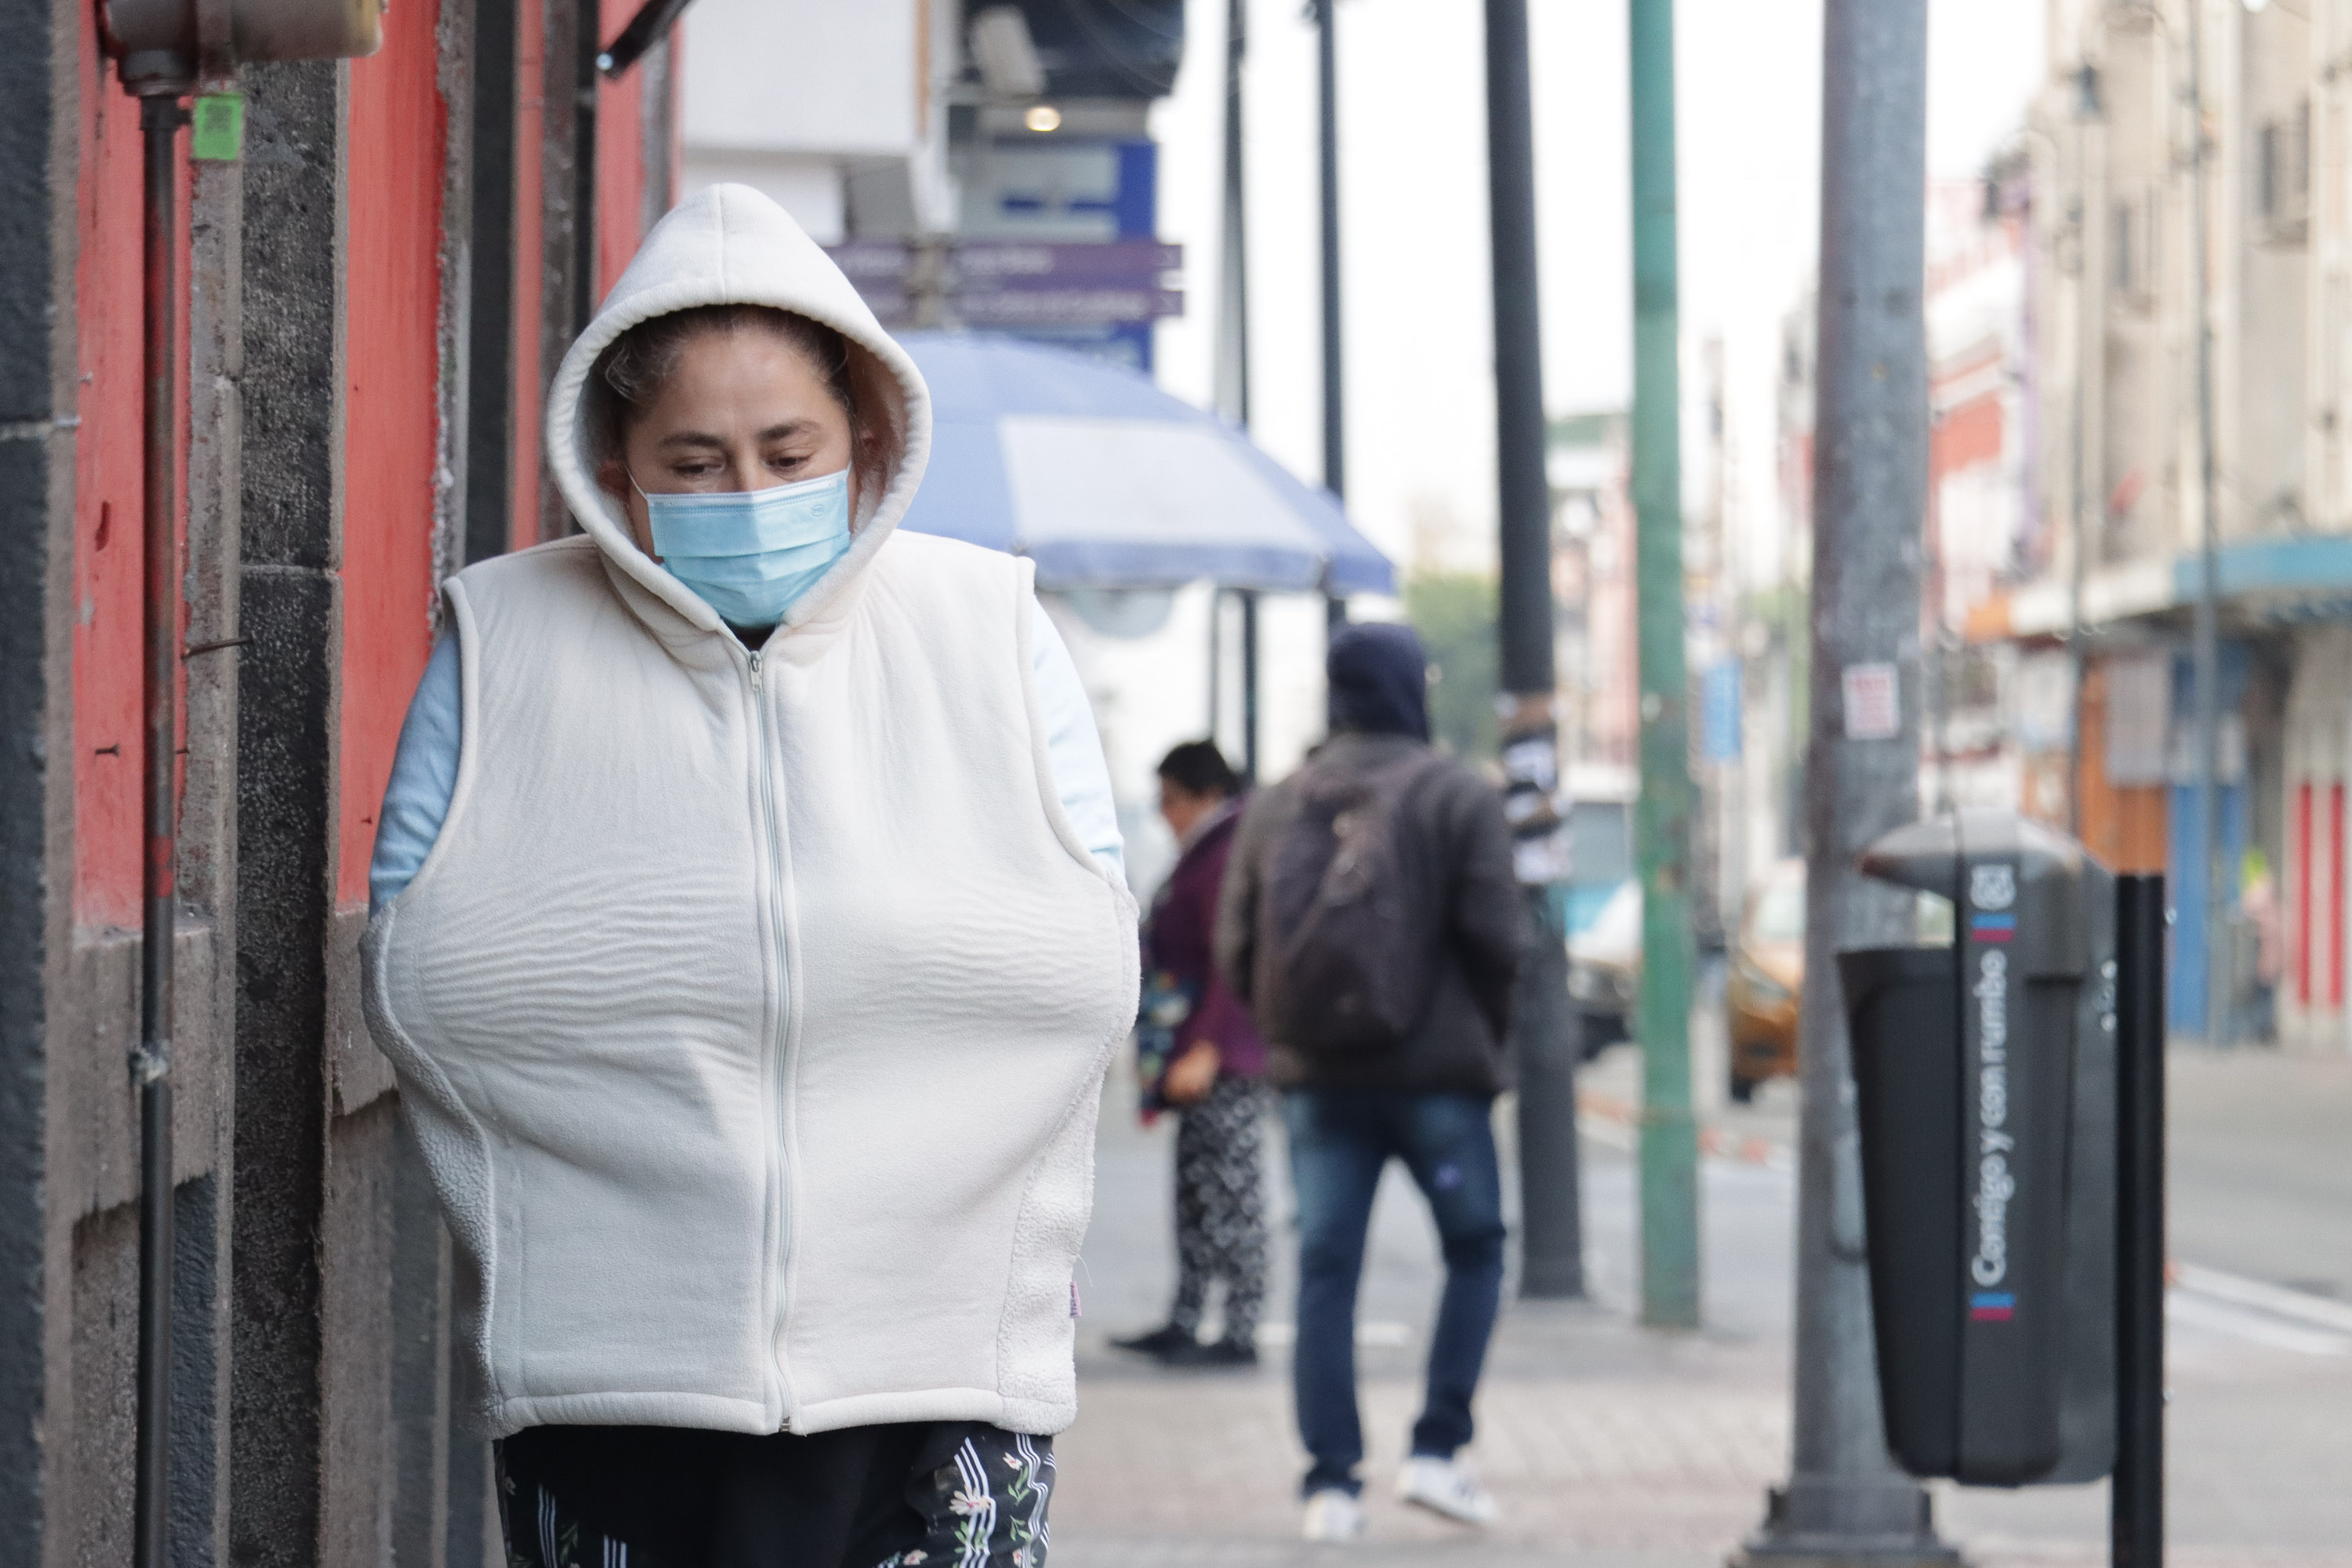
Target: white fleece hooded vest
[[752, 1011]]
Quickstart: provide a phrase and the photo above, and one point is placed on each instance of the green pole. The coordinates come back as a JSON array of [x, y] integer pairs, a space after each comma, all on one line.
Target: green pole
[[1662, 824]]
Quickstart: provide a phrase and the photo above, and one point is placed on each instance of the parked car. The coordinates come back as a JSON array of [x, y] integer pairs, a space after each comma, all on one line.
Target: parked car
[[1602, 902], [1767, 978], [1604, 967]]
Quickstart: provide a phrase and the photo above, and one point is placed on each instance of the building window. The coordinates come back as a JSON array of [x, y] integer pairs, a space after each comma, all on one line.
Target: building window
[[2283, 176], [2132, 249]]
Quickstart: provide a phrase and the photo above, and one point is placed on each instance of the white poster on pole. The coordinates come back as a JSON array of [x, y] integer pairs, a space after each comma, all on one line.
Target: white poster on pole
[[1873, 709]]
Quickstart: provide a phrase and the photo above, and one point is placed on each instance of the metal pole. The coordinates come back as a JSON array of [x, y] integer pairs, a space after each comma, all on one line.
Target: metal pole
[[1844, 1500], [1248, 598], [1549, 1042], [1335, 445], [1232, 376], [1216, 660], [1334, 454], [1670, 1289], [2205, 880], [1233, 296], [583, 165], [2086, 326], [1546, 1044], [2091, 481], [2136, 1494], [159, 118], [1525, 495]]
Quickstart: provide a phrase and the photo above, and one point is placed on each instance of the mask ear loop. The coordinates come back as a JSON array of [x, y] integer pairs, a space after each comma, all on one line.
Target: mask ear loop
[[656, 560]]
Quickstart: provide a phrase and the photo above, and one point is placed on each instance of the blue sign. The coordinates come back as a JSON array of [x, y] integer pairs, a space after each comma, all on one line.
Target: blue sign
[[1719, 711], [1018, 286]]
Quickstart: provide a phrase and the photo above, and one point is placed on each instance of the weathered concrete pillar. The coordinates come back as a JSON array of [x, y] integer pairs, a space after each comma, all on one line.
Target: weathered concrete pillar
[[36, 447], [343, 1451], [292, 493], [69, 855]]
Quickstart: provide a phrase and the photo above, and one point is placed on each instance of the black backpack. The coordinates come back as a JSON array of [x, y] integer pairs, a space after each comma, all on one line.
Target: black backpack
[[1351, 954]]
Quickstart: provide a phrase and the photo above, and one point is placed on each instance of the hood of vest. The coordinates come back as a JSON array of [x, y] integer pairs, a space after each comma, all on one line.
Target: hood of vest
[[731, 246]]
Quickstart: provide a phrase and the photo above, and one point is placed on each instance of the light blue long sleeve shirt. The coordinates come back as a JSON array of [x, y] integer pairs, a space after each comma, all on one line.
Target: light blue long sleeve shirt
[[424, 766]]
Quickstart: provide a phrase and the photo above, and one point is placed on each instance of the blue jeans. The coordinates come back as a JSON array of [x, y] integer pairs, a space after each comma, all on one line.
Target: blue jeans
[[1340, 1139]]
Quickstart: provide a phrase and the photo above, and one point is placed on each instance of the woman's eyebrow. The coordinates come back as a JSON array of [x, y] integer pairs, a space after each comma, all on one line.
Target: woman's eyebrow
[[789, 428], [693, 438]]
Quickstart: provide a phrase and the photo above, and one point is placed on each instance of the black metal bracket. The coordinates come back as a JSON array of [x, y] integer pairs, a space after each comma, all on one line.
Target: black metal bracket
[[194, 648], [654, 20]]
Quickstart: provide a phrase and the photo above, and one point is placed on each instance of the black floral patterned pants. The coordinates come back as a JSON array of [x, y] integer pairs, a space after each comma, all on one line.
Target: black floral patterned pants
[[943, 1494], [1221, 1207]]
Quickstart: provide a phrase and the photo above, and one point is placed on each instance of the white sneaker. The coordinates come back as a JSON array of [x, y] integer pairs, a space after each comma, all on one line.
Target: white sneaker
[[1333, 1515], [1446, 1486]]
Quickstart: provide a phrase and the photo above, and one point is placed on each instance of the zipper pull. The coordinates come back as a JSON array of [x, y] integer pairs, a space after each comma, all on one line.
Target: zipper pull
[[755, 669]]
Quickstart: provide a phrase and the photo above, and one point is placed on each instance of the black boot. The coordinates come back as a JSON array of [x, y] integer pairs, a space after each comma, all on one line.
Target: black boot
[[1162, 1341]]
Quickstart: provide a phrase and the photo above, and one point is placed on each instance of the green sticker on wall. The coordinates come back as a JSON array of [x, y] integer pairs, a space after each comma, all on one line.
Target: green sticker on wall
[[219, 133]]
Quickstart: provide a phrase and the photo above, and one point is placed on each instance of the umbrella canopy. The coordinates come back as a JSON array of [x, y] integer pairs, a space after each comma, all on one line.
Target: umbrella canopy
[[1106, 482]]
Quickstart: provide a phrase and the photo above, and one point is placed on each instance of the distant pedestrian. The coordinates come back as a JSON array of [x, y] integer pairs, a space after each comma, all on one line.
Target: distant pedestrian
[[1372, 922], [750, 937], [1205, 1060]]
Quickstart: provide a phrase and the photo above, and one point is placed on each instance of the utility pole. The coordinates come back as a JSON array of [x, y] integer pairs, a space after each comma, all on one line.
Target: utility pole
[[588, 46], [1845, 1502], [159, 118], [1233, 292], [1248, 598], [2205, 878], [1663, 818], [1233, 371], [2083, 493], [1334, 445], [1547, 1041]]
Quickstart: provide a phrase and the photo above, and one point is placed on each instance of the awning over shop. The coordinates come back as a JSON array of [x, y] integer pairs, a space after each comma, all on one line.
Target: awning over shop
[[1106, 482], [2286, 580]]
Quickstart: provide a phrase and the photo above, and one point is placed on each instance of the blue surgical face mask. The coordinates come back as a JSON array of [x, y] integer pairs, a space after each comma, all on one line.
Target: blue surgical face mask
[[752, 553]]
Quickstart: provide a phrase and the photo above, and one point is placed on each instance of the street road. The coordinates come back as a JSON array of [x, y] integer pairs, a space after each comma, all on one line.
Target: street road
[[2262, 1166]]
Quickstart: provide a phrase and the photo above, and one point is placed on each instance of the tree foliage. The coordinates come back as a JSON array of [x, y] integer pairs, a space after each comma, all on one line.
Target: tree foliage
[[1456, 612]]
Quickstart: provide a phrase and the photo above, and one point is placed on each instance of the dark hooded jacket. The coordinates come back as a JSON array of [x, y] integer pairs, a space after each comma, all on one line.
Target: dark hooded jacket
[[1457, 858]]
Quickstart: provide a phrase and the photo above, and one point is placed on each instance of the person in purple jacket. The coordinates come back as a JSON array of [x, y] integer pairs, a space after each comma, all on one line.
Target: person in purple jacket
[[1202, 1057]]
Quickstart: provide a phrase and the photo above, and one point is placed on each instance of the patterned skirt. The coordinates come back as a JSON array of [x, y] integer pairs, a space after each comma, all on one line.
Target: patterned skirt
[[947, 1494]]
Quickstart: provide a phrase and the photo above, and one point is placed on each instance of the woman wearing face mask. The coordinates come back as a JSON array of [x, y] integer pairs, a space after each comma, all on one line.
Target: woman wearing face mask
[[749, 938]]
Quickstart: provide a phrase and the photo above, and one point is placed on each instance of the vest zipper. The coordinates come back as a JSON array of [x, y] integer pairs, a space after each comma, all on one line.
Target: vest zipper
[[785, 1000]]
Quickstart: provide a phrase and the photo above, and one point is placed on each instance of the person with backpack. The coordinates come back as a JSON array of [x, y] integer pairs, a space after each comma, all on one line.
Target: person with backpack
[[1202, 1058], [1371, 923]]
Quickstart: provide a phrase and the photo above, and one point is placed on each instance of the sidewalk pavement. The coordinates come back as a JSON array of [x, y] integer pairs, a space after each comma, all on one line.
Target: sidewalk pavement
[[1613, 1446]]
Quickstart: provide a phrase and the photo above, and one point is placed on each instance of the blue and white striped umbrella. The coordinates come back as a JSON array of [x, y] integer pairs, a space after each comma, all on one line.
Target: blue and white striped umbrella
[[1106, 482]]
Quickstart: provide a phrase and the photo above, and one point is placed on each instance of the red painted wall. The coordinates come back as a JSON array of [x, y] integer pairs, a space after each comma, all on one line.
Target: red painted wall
[[397, 154], [620, 159], [397, 142], [1965, 436], [110, 493]]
